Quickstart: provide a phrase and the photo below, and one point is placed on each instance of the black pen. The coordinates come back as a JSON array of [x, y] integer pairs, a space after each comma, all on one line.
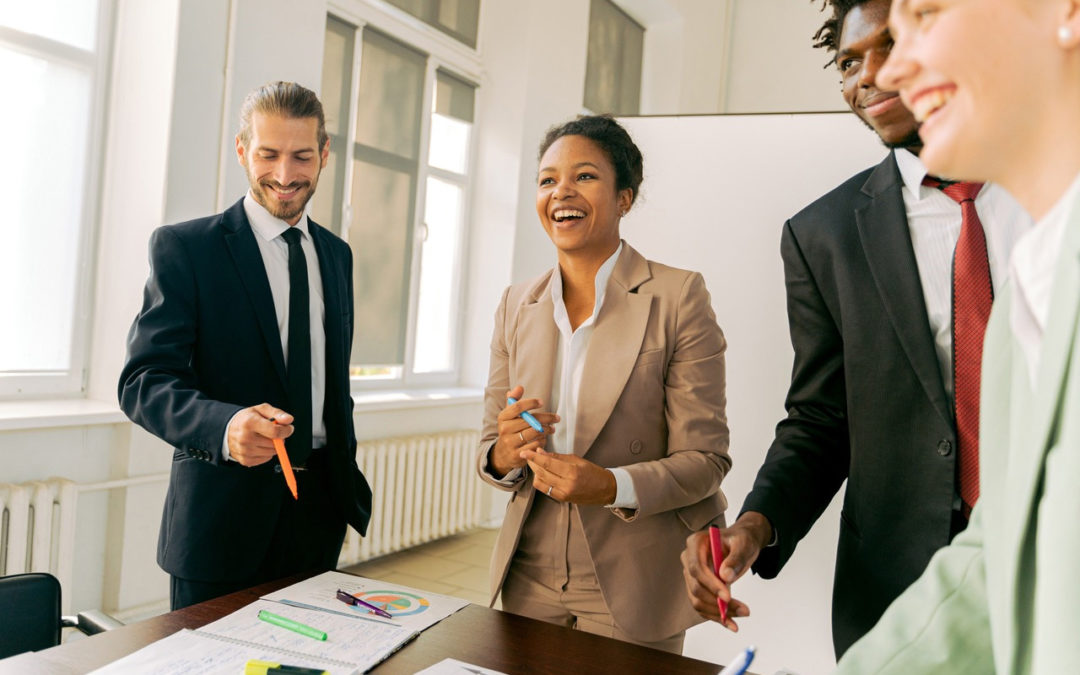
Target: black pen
[[350, 599]]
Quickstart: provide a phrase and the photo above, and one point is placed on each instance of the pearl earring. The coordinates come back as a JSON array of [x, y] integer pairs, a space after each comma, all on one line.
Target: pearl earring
[[1064, 35]]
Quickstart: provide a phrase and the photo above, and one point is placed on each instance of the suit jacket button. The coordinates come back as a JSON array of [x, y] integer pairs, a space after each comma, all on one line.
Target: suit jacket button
[[635, 446], [944, 448]]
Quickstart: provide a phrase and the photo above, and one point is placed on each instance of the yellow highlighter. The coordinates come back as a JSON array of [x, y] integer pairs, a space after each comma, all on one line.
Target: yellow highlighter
[[254, 667]]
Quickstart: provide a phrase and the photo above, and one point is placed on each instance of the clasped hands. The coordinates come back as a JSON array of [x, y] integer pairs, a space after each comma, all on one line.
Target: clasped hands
[[565, 477], [742, 543]]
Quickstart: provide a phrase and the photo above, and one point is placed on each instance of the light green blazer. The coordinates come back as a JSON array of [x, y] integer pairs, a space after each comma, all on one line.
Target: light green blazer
[[1005, 595]]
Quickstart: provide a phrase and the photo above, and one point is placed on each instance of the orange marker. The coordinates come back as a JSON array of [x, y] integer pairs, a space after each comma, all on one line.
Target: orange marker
[[286, 466]]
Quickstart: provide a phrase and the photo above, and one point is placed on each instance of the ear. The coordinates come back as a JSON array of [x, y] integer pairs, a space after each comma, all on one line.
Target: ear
[[625, 198], [325, 153], [1068, 30], [240, 151]]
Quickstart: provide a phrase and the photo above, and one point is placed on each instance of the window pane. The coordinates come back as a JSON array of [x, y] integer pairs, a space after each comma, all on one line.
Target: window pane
[[45, 209], [449, 144], [336, 89], [73, 22], [435, 310], [613, 68], [380, 236], [454, 97], [460, 19], [391, 95]]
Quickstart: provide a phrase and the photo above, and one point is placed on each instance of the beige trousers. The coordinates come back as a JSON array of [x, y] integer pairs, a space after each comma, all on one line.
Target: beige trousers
[[552, 578]]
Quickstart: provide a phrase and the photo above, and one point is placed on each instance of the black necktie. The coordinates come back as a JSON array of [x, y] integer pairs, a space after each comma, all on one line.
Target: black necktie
[[298, 367]]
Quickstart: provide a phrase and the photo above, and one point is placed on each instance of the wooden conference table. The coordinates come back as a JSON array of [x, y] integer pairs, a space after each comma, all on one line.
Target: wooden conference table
[[478, 635]]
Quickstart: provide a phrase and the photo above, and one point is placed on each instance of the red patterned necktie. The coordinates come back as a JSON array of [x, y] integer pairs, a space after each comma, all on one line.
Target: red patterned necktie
[[973, 294]]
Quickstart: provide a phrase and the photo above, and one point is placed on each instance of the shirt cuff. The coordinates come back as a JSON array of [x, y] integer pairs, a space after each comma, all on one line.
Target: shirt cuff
[[225, 456], [625, 494]]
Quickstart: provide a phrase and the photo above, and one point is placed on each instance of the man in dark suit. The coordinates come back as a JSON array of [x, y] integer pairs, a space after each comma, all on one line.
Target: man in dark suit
[[869, 279], [244, 337]]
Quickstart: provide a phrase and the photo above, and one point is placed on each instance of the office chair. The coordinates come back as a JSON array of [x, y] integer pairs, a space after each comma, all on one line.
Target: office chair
[[31, 617]]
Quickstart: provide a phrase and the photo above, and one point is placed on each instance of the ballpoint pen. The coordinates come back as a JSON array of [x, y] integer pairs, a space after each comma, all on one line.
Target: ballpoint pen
[[526, 415], [350, 599], [717, 546]]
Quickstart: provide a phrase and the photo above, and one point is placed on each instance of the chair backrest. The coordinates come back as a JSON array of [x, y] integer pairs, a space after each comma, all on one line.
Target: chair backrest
[[30, 619]]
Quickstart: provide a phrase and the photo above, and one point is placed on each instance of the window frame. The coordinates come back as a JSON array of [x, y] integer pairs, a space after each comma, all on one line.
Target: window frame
[[73, 382], [459, 60]]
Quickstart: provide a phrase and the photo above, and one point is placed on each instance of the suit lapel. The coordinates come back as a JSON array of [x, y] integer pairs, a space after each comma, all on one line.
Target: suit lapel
[[333, 307], [1055, 357], [613, 347], [249, 266], [886, 241], [537, 344]]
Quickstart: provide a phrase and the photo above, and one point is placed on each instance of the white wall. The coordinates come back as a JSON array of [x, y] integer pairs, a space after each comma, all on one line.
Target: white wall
[[773, 65], [717, 191]]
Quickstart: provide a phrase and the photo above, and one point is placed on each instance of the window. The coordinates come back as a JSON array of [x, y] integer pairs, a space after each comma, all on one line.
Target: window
[[53, 56], [613, 65], [396, 189], [459, 19]]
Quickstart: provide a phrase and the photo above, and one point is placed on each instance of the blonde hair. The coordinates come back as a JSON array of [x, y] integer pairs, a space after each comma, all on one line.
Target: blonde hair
[[287, 99]]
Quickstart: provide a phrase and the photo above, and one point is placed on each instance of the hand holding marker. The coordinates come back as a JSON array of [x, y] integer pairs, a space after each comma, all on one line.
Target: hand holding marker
[[526, 415]]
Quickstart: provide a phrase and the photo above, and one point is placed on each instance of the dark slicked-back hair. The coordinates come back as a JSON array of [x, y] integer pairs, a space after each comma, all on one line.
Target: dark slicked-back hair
[[620, 149], [287, 99], [828, 36]]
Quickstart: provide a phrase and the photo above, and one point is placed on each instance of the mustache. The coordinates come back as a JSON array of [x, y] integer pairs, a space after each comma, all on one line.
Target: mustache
[[278, 186]]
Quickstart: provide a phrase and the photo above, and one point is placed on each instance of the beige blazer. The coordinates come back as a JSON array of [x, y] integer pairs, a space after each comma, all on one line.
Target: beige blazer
[[652, 401]]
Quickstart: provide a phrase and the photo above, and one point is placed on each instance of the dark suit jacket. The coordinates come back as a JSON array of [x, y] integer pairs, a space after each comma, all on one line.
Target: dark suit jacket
[[866, 402], [205, 345]]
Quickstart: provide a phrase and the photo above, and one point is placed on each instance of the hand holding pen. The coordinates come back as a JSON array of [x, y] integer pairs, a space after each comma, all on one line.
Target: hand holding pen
[[517, 433]]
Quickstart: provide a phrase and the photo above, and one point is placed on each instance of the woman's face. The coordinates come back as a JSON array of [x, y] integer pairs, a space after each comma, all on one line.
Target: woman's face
[[978, 75], [577, 199]]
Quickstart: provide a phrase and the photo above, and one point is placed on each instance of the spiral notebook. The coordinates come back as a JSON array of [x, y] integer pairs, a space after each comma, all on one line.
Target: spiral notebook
[[353, 644]]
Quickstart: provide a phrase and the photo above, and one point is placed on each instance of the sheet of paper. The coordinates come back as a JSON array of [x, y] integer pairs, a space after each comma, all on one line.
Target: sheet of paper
[[363, 643], [411, 608], [455, 667], [189, 653]]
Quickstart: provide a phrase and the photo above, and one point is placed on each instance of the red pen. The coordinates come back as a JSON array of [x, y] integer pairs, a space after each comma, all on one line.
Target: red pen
[[717, 547]]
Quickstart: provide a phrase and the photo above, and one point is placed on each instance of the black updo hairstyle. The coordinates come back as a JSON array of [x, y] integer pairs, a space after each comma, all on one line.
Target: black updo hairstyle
[[612, 139]]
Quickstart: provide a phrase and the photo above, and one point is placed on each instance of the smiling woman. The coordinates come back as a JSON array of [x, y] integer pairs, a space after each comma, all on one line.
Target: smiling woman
[[622, 362]]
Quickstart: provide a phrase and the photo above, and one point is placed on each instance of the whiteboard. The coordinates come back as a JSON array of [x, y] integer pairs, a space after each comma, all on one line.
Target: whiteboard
[[717, 191]]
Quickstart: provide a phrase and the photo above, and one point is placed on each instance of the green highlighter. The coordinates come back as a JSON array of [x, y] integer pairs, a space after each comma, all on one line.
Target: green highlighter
[[294, 626]]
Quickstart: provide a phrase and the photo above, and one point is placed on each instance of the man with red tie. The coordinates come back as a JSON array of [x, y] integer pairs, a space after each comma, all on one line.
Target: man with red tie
[[889, 281]]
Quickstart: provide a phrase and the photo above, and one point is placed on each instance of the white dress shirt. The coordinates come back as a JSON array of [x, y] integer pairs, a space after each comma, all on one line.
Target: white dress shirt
[[934, 221], [573, 346], [268, 232], [1033, 263]]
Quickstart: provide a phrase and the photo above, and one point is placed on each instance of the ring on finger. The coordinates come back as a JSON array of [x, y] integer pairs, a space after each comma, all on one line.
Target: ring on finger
[[522, 437]]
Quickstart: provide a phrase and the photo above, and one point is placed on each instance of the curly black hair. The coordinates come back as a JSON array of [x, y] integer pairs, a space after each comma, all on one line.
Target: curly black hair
[[828, 36], [612, 138]]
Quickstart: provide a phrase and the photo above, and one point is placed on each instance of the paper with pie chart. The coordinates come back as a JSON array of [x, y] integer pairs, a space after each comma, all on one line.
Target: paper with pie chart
[[410, 608]]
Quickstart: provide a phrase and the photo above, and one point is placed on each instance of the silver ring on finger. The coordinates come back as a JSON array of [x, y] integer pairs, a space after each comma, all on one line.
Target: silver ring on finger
[[522, 437], [549, 490]]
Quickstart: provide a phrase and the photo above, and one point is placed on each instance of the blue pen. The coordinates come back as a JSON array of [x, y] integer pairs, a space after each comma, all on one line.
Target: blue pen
[[741, 662], [525, 415]]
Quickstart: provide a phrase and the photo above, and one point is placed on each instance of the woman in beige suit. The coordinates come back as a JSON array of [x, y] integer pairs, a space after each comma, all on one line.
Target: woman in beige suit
[[622, 362]]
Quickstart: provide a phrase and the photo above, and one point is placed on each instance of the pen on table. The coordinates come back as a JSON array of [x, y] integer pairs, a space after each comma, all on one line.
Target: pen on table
[[294, 626], [255, 667], [741, 662], [717, 546], [350, 599], [286, 465], [526, 415]]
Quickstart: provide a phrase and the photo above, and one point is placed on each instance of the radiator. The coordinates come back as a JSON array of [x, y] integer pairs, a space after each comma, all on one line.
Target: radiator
[[425, 487], [37, 528]]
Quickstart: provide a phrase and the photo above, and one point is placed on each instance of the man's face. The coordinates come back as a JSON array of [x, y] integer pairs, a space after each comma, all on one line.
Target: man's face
[[864, 45], [283, 161], [976, 73]]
